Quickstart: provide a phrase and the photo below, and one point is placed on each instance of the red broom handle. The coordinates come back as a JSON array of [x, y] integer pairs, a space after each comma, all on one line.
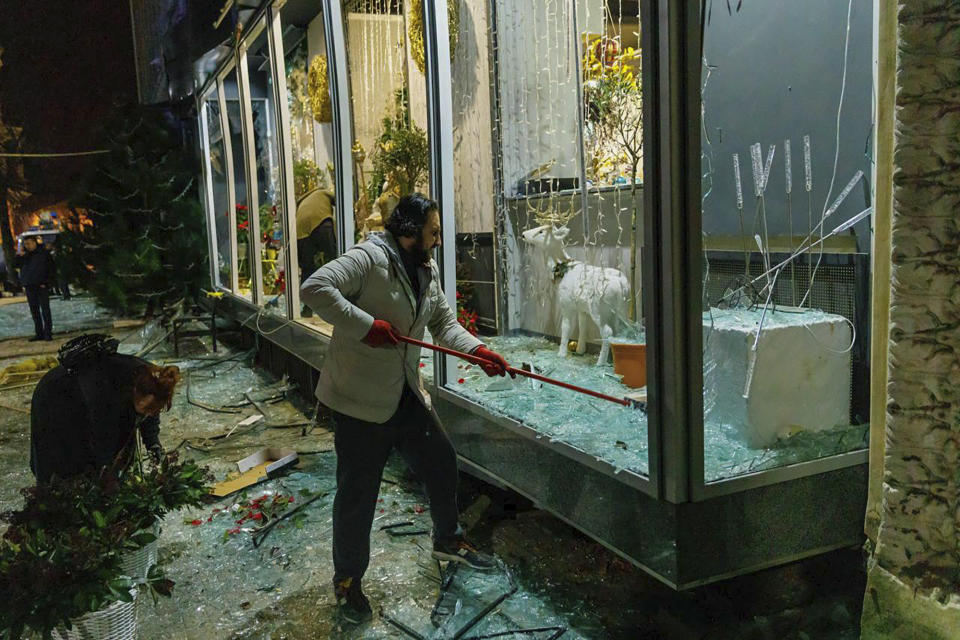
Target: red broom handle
[[627, 402]]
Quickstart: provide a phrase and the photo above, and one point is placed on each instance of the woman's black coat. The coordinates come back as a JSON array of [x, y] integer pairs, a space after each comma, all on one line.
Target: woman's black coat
[[81, 421]]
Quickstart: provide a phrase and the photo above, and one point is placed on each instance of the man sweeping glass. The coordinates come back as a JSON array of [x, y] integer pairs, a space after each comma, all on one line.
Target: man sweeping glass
[[385, 287]]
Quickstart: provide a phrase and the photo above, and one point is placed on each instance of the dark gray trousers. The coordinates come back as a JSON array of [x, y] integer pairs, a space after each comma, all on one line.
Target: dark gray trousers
[[39, 300], [362, 451]]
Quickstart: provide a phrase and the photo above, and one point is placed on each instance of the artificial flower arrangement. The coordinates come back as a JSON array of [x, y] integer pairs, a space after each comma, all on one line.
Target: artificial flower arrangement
[[466, 317], [63, 554], [268, 216]]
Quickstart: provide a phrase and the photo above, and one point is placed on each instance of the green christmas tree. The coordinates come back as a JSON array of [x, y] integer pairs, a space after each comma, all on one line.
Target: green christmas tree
[[147, 245]]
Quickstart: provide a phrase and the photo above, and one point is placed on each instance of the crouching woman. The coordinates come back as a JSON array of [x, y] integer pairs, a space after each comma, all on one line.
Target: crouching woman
[[87, 412]]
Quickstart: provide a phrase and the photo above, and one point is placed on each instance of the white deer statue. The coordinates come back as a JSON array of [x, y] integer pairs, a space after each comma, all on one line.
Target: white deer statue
[[584, 291]]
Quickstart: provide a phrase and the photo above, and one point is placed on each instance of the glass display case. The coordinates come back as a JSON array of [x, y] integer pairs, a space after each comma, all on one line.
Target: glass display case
[[660, 202], [548, 215], [786, 239]]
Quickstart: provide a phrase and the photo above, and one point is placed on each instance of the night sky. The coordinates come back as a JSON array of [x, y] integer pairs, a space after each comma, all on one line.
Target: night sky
[[65, 63]]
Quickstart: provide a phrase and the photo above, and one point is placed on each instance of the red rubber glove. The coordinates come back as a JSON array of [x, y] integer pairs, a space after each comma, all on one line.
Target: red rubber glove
[[381, 334], [495, 365]]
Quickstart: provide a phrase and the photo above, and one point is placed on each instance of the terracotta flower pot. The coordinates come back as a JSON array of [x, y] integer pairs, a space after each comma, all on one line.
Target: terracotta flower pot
[[630, 361]]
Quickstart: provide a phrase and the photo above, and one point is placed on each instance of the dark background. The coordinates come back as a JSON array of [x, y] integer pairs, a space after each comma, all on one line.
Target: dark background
[[65, 65]]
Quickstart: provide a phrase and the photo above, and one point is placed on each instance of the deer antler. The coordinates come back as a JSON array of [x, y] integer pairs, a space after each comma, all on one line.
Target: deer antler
[[547, 211]]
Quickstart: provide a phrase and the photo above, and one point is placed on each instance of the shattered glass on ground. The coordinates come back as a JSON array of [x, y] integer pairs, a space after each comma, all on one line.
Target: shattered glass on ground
[[225, 586], [77, 313]]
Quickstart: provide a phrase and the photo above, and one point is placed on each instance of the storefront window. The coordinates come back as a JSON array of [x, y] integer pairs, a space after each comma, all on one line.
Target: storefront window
[[549, 215], [389, 106], [235, 129], [219, 190], [388, 98], [785, 155], [311, 142], [269, 194]]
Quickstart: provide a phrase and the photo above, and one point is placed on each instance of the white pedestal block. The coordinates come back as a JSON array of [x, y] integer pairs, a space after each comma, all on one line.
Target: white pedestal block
[[800, 382]]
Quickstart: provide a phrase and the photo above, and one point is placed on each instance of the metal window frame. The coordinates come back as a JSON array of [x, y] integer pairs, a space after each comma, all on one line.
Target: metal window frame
[[437, 73], [285, 156], [231, 180], [342, 108], [207, 189], [250, 158], [214, 84], [651, 269]]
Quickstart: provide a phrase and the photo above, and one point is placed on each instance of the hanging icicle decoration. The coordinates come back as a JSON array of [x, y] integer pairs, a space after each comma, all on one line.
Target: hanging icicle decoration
[[843, 194], [736, 178], [852, 221], [808, 184], [743, 231], [756, 156], [766, 168], [787, 166], [788, 186]]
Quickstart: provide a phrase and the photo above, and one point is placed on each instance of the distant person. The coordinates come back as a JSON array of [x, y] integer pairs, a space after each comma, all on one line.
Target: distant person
[[316, 236], [4, 283], [60, 277], [86, 413], [36, 270]]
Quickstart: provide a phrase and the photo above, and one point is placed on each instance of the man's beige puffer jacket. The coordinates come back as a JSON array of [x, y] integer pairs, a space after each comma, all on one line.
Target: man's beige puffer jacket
[[369, 282]]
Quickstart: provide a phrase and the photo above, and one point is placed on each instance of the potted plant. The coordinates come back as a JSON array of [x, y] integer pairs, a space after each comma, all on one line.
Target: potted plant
[[629, 348], [65, 560], [613, 106], [401, 152]]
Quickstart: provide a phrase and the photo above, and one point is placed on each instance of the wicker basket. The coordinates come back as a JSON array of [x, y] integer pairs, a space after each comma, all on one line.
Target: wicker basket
[[117, 621], [137, 563]]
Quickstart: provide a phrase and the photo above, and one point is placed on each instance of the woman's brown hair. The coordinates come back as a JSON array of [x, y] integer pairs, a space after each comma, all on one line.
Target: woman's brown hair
[[158, 382]]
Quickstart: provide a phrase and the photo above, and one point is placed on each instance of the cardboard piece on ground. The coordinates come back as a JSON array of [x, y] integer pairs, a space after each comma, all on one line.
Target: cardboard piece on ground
[[250, 420], [256, 468]]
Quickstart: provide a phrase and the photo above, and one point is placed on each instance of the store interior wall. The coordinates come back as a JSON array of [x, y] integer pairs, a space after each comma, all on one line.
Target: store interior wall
[[475, 204], [776, 72]]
